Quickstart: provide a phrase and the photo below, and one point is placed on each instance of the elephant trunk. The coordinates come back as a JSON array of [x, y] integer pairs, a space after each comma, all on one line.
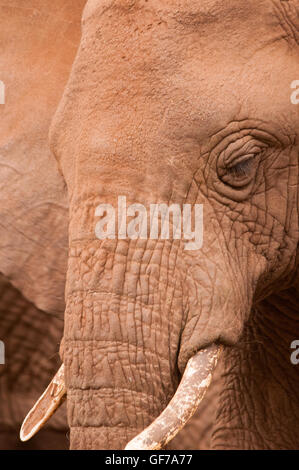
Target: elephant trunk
[[132, 324], [134, 318], [106, 415], [119, 369]]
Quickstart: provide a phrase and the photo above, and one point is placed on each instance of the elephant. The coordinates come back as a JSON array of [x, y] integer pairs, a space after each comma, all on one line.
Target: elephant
[[35, 64], [34, 212], [27, 369], [169, 105]]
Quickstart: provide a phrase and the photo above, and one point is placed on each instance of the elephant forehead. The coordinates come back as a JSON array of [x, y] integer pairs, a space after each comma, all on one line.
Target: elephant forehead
[[176, 69], [188, 6], [197, 12], [156, 35]]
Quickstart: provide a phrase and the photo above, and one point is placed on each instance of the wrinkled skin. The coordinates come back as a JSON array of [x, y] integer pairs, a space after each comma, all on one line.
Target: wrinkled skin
[[166, 101], [34, 217], [31, 339], [38, 43], [182, 103]]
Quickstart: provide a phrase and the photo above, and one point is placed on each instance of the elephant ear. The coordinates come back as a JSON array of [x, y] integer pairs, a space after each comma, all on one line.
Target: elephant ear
[[39, 40]]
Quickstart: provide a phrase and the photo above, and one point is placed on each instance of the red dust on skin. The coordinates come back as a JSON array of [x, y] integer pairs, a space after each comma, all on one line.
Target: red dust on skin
[[39, 39], [179, 103]]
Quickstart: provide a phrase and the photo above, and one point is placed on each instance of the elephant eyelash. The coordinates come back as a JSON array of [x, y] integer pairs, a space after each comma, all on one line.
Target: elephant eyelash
[[243, 168]]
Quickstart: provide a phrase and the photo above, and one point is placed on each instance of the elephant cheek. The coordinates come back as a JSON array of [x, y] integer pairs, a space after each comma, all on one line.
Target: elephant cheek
[[218, 305]]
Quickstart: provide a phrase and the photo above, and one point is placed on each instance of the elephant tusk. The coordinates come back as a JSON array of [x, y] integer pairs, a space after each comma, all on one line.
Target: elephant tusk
[[45, 407], [191, 390]]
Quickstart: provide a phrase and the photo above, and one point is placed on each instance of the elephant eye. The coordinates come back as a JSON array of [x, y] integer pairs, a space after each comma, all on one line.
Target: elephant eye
[[242, 168], [240, 172]]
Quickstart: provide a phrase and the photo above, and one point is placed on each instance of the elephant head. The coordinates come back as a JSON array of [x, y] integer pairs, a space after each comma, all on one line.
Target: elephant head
[[182, 104]]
